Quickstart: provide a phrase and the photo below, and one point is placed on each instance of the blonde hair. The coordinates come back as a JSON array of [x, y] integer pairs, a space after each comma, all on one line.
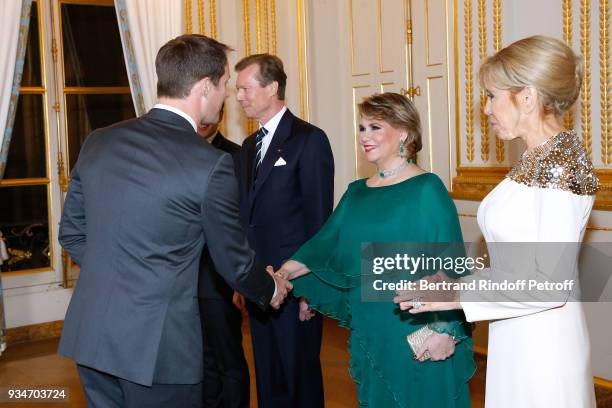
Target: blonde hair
[[399, 112], [544, 63]]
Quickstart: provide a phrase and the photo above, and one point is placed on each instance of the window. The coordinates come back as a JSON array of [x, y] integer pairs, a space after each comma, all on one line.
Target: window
[[25, 189], [96, 88], [74, 81]]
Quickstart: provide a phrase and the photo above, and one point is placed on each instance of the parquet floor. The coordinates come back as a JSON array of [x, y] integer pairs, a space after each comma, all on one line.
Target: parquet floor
[[37, 364]]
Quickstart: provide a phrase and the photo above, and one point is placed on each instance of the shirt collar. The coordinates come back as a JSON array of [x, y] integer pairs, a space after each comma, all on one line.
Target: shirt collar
[[178, 112], [272, 124]]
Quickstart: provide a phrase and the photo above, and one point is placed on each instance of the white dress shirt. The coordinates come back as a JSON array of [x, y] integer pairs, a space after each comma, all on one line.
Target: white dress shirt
[[178, 112], [270, 126]]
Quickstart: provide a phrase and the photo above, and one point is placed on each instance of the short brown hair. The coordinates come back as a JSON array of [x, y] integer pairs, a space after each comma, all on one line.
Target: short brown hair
[[185, 60], [544, 63], [399, 112], [270, 69]]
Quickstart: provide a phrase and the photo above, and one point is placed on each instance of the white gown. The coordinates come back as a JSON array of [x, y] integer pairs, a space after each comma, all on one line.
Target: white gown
[[538, 353]]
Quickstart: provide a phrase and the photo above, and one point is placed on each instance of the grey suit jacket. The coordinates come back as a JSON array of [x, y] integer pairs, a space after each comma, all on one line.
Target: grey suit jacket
[[145, 196], [210, 284]]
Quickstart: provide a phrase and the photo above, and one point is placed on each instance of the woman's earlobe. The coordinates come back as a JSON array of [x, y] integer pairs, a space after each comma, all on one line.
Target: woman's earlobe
[[529, 99]]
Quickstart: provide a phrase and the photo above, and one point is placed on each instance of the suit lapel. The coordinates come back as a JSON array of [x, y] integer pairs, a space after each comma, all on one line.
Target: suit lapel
[[249, 145], [274, 152]]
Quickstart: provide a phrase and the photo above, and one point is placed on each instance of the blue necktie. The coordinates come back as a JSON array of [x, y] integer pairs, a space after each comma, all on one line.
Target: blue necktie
[[258, 143]]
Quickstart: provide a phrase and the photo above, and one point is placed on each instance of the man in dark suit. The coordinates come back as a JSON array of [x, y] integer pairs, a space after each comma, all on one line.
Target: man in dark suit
[[286, 176], [145, 196], [226, 381]]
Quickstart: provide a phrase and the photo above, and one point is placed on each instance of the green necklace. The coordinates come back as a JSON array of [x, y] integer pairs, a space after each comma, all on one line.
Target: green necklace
[[393, 172]]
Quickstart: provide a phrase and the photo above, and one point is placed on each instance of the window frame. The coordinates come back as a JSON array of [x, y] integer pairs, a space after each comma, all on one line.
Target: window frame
[[39, 181], [62, 272]]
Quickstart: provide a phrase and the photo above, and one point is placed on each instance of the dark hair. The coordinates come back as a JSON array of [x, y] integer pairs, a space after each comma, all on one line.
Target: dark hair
[[185, 60], [399, 112], [270, 69]]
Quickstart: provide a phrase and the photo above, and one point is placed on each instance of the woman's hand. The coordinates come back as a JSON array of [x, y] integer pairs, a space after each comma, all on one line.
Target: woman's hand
[[424, 306], [305, 313], [440, 346], [291, 270], [435, 299]]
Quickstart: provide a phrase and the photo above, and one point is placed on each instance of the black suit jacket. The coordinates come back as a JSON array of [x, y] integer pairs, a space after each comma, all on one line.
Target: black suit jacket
[[210, 284], [145, 196], [288, 203]]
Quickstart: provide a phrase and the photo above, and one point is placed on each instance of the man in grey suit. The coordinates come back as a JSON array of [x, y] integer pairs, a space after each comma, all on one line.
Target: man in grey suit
[[146, 195]]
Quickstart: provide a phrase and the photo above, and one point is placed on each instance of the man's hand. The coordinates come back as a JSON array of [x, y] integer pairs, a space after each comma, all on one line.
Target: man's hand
[[283, 287], [305, 313], [440, 346], [238, 301]]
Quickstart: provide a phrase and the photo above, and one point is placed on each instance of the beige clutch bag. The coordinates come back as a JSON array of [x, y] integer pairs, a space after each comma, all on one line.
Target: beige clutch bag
[[417, 338]]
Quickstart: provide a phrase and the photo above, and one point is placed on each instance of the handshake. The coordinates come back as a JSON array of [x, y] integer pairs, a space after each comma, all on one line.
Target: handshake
[[289, 270], [283, 286]]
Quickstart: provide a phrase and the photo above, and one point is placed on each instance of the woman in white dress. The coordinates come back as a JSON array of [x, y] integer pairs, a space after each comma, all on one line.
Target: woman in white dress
[[538, 353]]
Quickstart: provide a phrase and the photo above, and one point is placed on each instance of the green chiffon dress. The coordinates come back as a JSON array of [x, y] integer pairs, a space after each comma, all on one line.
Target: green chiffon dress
[[416, 210]]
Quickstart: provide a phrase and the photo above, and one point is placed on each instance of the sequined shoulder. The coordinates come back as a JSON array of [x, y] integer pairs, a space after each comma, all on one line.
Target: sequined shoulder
[[561, 163]]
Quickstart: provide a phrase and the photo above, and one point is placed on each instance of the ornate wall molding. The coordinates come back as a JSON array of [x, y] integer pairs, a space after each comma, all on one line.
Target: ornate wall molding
[[585, 92], [188, 17], [566, 9], [482, 48], [195, 17], [201, 23], [469, 83], [500, 146], [302, 58], [604, 81], [473, 182], [212, 15]]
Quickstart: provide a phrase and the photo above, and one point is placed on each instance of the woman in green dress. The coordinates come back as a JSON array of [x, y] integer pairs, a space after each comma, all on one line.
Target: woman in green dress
[[401, 203]]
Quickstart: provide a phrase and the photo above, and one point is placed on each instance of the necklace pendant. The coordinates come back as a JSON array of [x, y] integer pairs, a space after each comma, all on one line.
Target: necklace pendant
[[392, 172]]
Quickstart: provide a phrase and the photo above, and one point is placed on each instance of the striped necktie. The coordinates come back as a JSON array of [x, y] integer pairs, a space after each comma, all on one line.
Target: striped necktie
[[258, 143]]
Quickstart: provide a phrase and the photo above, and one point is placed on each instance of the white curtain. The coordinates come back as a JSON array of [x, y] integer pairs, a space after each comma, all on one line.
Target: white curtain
[[150, 24], [10, 21]]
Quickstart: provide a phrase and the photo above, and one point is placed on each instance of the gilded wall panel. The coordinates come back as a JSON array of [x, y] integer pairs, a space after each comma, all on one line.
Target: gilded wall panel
[[201, 17], [478, 32]]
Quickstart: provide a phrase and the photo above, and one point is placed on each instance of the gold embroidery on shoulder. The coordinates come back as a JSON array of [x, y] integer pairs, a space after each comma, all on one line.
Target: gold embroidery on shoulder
[[560, 163]]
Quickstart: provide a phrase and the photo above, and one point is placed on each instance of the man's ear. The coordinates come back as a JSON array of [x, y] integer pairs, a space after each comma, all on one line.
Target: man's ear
[[202, 87], [273, 86]]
